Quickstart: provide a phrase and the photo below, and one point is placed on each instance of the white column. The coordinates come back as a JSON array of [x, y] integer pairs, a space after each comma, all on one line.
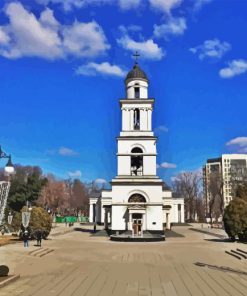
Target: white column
[[130, 222], [102, 218], [142, 119], [168, 224], [123, 119], [131, 119], [91, 213], [182, 213], [131, 219], [128, 119], [149, 120], [144, 222]]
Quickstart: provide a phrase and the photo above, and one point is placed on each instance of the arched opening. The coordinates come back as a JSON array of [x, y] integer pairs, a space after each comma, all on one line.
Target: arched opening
[[136, 119], [136, 197], [137, 92], [137, 162], [136, 150]]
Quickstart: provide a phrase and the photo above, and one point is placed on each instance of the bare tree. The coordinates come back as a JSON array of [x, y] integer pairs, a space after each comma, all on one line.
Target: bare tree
[[215, 196], [188, 186], [80, 197], [54, 195]]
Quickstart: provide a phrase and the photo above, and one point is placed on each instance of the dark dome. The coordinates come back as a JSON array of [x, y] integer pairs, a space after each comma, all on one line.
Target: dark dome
[[136, 72]]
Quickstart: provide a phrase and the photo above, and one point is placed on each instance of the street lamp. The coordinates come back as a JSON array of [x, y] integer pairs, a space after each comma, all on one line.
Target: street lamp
[[4, 186], [10, 218], [9, 168]]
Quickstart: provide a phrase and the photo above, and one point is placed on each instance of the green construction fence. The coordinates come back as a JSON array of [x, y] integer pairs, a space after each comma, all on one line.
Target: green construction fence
[[71, 219]]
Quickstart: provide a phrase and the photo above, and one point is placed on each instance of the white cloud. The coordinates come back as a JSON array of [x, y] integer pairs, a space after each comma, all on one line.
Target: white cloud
[[28, 36], [167, 165], [4, 38], [211, 49], [161, 128], [45, 37], [175, 26], [174, 178], [240, 141], [92, 69], [148, 48], [199, 3], [165, 5], [67, 152], [243, 150], [100, 181], [47, 19], [129, 4], [68, 5], [75, 174], [84, 39], [234, 68]]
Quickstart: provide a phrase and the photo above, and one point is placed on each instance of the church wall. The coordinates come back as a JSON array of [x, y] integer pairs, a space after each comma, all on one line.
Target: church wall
[[125, 147], [149, 165], [174, 202], [122, 193], [153, 217], [143, 89], [123, 165], [119, 217]]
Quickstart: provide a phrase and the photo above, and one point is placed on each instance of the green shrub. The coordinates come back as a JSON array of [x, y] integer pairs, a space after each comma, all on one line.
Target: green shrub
[[39, 220], [235, 219]]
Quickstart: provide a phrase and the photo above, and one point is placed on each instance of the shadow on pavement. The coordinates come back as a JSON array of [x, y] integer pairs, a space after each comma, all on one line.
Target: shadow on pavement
[[83, 230], [171, 233], [208, 232], [220, 268], [218, 240]]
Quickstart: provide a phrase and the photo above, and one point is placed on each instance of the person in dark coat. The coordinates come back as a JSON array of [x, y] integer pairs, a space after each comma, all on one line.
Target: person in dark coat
[[39, 237], [25, 238]]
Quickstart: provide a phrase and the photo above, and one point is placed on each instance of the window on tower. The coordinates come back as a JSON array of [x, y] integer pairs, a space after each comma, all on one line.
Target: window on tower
[[136, 119], [137, 92], [136, 162]]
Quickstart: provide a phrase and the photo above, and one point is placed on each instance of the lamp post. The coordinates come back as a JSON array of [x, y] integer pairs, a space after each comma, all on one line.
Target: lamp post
[[10, 218], [4, 186], [9, 168]]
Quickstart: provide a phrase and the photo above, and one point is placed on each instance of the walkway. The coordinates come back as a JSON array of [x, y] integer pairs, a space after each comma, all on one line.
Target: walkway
[[84, 265]]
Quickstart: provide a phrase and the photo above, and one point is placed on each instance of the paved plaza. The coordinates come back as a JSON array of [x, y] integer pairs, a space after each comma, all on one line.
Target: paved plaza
[[76, 263]]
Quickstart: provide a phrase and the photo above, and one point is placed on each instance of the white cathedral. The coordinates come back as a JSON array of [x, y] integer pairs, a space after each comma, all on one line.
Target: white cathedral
[[138, 199]]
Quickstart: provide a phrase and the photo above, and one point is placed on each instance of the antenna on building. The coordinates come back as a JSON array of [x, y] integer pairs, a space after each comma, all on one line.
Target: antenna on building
[[136, 55]]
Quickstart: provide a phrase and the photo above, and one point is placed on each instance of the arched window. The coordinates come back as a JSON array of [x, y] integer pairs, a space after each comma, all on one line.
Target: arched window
[[136, 119], [137, 162], [137, 198], [137, 92], [136, 150]]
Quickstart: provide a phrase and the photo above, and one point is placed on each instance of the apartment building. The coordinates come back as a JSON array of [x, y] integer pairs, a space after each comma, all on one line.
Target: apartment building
[[231, 169]]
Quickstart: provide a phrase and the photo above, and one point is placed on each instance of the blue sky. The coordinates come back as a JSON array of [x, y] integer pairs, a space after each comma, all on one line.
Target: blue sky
[[62, 69]]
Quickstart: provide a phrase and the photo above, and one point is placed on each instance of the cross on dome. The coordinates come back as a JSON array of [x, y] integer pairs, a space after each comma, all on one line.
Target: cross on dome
[[136, 72], [136, 55]]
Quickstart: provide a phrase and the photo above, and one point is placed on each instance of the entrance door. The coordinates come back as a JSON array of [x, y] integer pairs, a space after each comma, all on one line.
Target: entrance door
[[137, 226]]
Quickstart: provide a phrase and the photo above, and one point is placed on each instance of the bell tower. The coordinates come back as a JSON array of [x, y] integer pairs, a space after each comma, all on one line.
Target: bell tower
[[138, 200], [136, 144]]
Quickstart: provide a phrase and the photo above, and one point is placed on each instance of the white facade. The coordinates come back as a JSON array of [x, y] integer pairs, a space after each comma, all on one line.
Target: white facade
[[138, 200]]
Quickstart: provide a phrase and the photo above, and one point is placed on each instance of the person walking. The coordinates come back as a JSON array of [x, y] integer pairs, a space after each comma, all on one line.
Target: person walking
[[39, 237], [25, 238]]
